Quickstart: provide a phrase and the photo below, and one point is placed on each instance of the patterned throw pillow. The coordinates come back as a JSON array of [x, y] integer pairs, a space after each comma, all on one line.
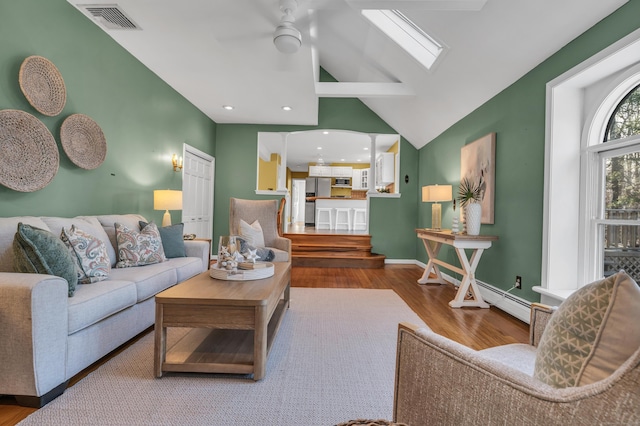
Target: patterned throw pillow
[[591, 334], [38, 251], [138, 248], [252, 233], [92, 261], [264, 254]]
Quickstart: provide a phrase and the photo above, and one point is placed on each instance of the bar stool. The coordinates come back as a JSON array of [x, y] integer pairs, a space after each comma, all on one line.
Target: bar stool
[[343, 218], [359, 219], [327, 220]]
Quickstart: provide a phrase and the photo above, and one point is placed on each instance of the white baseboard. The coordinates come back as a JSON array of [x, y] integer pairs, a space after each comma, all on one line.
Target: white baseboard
[[494, 296]]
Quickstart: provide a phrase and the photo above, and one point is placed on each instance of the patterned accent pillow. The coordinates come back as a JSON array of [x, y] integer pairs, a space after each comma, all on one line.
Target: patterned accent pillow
[[38, 251], [252, 233], [263, 253], [92, 260], [139, 248], [591, 334]]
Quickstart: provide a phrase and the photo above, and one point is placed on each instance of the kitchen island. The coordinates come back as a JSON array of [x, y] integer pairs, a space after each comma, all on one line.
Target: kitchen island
[[356, 208]]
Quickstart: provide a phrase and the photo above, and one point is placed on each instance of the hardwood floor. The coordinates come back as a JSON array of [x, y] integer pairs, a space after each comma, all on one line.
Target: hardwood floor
[[473, 327]]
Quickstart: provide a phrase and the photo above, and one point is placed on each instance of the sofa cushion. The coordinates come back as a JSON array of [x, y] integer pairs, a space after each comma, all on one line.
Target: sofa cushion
[[90, 254], [95, 302], [186, 267], [38, 251], [108, 223], [172, 239], [149, 280], [88, 224], [138, 248], [252, 233], [591, 334], [8, 226]]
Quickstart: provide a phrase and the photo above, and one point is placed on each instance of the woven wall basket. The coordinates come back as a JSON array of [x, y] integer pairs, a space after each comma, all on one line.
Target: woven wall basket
[[83, 141], [42, 85], [28, 152]]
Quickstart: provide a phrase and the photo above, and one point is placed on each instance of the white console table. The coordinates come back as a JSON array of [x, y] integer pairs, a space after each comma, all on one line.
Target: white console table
[[460, 242]]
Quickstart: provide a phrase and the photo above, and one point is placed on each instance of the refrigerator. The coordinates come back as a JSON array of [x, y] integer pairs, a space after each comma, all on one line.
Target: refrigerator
[[315, 187]]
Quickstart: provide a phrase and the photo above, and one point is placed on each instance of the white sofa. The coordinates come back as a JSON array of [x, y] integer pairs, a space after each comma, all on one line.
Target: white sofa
[[47, 337]]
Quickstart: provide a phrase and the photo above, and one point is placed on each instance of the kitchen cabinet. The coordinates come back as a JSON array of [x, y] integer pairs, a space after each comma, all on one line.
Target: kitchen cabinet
[[330, 171], [341, 171], [320, 171], [360, 179], [385, 169]]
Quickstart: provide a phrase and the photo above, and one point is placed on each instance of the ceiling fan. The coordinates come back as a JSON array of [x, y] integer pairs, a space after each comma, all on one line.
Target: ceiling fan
[[287, 38]]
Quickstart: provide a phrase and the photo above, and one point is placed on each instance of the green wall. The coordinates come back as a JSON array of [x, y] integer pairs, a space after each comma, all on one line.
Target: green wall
[[392, 220], [143, 119], [517, 115]]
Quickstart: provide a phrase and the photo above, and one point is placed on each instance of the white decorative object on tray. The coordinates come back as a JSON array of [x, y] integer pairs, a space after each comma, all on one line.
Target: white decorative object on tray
[[242, 274]]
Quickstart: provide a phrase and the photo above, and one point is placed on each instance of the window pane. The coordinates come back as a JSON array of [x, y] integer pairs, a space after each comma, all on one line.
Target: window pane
[[622, 186], [621, 250], [625, 120], [622, 202]]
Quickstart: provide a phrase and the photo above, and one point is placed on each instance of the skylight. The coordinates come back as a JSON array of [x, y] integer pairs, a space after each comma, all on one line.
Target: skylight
[[406, 34]]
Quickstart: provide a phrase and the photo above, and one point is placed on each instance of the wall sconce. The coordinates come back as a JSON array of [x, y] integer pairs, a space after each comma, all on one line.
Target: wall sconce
[[177, 162], [435, 194]]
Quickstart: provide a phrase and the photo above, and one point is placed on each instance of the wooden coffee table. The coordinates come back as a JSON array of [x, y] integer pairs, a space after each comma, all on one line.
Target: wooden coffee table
[[234, 323]]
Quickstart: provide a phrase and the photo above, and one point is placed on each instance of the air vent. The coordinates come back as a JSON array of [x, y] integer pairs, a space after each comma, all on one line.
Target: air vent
[[109, 16]]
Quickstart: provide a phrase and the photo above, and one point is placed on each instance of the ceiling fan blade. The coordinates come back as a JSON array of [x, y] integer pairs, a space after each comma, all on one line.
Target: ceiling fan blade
[[452, 5]]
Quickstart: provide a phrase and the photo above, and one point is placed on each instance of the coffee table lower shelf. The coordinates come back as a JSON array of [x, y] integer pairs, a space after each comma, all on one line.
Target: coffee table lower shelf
[[205, 350]]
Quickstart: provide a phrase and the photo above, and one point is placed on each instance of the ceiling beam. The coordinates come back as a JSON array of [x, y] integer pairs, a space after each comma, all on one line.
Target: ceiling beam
[[461, 5], [363, 90]]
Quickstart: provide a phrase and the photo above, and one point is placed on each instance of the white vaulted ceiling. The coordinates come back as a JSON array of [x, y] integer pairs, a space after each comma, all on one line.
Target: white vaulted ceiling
[[221, 52]]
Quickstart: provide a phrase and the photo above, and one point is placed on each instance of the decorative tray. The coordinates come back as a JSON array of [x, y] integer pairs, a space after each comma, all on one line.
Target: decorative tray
[[242, 274]]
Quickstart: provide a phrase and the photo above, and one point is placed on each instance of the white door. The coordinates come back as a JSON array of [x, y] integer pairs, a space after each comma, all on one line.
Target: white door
[[197, 192]]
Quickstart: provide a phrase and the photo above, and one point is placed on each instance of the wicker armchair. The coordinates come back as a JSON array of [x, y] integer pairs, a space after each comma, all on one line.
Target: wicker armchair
[[265, 212], [440, 382]]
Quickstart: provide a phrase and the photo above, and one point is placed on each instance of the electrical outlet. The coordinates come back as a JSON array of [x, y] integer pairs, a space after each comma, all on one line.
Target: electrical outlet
[[518, 282]]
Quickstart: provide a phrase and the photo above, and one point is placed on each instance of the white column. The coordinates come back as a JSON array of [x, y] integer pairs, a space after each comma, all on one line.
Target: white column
[[282, 169], [372, 165]]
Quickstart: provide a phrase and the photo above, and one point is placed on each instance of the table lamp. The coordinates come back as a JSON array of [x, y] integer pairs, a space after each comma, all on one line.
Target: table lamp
[[436, 194], [167, 199]]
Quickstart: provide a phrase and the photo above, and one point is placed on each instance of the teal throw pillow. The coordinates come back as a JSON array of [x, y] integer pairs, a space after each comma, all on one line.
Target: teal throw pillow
[[172, 240], [38, 251]]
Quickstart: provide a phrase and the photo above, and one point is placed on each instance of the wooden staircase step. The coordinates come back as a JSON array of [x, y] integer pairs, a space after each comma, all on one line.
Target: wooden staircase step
[[338, 260], [334, 250]]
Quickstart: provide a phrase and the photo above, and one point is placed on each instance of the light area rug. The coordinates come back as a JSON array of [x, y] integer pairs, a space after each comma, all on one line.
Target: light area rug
[[333, 360]]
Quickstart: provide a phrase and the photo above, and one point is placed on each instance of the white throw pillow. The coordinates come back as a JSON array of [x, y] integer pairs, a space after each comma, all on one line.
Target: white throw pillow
[[252, 233]]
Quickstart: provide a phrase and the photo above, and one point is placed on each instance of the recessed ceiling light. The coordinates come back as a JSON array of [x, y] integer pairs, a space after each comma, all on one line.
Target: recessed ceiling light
[[359, 160], [228, 107], [286, 108], [342, 159], [325, 133], [366, 149], [319, 147]]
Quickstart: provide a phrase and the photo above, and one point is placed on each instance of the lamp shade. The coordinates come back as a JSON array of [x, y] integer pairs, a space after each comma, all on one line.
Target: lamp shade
[[167, 199], [436, 193]]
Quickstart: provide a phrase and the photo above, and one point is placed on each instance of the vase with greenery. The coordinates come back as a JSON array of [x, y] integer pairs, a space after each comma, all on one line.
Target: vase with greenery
[[469, 195]]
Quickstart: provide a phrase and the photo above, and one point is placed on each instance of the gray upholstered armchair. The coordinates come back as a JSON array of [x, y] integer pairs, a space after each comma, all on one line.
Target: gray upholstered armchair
[[440, 382], [266, 213]]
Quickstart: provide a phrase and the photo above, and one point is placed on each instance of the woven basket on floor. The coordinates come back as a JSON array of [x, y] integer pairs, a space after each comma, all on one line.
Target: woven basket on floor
[[83, 141], [28, 152], [42, 85]]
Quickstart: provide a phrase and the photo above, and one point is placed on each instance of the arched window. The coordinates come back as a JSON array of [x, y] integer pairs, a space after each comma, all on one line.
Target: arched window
[[616, 229], [592, 147], [625, 120]]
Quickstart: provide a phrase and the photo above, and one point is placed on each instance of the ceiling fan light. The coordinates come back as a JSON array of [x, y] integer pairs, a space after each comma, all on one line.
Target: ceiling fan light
[[287, 39]]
